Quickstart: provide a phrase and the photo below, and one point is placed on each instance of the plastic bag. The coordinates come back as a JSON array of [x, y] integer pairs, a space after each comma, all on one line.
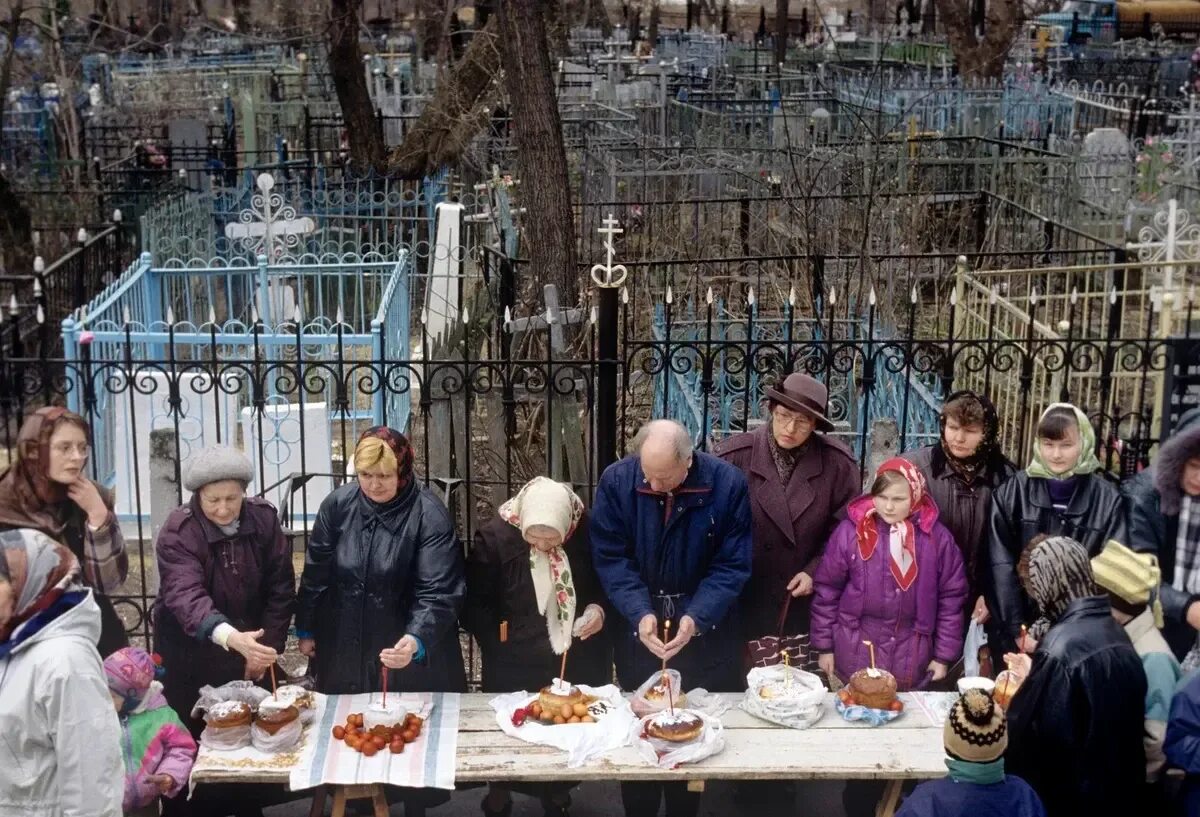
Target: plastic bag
[[282, 741], [245, 691], [976, 638], [795, 698], [667, 755], [657, 700], [303, 699]]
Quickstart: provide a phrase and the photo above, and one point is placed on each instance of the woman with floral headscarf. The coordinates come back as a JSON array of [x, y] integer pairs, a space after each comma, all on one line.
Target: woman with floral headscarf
[[383, 580], [532, 594], [893, 576], [61, 748], [961, 470], [1060, 493], [47, 489]]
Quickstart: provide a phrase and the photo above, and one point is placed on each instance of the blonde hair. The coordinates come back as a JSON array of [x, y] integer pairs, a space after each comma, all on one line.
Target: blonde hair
[[372, 451]]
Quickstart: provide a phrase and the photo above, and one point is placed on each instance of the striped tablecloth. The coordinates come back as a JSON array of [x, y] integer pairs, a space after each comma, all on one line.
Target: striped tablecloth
[[427, 763]]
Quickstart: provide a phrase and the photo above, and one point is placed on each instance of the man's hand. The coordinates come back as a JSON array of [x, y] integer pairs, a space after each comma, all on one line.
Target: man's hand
[[687, 629], [648, 635], [938, 670], [800, 585], [401, 655]]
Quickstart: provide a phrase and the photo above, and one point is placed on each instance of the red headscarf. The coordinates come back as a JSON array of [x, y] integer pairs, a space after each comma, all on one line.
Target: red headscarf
[[28, 497], [903, 533]]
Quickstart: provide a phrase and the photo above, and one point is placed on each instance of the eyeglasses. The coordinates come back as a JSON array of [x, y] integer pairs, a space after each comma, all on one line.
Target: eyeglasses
[[790, 420], [66, 448]]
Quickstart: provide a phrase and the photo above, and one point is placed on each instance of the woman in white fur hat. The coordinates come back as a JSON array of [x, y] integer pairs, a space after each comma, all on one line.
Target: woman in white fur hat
[[531, 594]]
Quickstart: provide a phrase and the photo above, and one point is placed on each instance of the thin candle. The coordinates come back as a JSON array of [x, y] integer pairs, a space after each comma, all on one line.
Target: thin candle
[[274, 689], [871, 650], [562, 670], [666, 638], [383, 675], [1024, 635], [787, 669]]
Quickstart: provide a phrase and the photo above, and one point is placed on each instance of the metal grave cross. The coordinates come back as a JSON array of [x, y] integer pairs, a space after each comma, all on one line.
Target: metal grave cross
[[1172, 236], [603, 274], [268, 227]]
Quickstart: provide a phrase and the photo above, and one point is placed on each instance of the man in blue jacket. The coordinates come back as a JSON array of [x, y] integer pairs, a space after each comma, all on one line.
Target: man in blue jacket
[[671, 541]]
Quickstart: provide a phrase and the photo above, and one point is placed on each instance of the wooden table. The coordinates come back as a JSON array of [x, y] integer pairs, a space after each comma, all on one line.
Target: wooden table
[[909, 748]]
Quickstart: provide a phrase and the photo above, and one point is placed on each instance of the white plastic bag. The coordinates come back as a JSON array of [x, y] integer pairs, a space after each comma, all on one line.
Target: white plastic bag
[[284, 740], [582, 741], [643, 705], [976, 638], [801, 703], [245, 691], [667, 755]]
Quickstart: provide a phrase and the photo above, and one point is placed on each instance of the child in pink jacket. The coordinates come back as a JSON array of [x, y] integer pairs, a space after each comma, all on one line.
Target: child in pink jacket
[[892, 575], [158, 749]]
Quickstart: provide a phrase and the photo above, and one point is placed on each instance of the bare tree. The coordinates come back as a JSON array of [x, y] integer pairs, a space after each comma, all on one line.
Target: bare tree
[[981, 57], [363, 128], [548, 225], [781, 31], [241, 14], [15, 230]]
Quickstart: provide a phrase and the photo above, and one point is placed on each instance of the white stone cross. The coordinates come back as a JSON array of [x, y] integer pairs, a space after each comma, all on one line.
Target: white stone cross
[[267, 227], [603, 274]]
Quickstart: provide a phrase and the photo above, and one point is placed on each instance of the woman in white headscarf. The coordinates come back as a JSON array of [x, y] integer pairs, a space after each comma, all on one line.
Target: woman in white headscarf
[[531, 594]]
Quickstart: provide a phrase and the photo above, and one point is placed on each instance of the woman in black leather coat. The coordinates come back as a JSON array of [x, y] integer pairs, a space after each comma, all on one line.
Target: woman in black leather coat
[[1060, 493]]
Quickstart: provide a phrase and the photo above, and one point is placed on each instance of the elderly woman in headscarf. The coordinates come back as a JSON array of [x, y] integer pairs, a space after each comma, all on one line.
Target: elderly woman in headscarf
[[1060, 493], [961, 471], [383, 582], [532, 594], [61, 750], [1075, 724], [226, 583], [47, 489]]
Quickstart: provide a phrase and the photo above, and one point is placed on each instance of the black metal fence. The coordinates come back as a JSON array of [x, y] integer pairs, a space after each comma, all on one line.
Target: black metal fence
[[481, 399]]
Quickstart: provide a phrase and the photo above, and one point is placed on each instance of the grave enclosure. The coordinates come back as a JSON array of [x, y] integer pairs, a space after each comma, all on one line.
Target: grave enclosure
[[871, 220]]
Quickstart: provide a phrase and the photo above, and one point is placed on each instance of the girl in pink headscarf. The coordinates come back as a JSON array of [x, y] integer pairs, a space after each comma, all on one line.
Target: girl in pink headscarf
[[892, 575]]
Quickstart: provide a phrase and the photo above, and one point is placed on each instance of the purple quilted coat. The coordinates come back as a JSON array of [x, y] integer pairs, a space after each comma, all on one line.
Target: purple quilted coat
[[858, 600]]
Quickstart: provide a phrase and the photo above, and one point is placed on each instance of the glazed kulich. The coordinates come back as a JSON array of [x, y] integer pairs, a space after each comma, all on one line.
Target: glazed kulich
[[679, 726], [554, 697], [228, 715], [657, 694], [274, 716], [873, 688], [297, 696]]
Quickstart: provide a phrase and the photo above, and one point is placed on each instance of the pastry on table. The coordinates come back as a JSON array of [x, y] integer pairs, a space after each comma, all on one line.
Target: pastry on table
[[1007, 684], [657, 694], [227, 726], [378, 717], [560, 694], [299, 697], [679, 726], [275, 715], [873, 688], [780, 690]]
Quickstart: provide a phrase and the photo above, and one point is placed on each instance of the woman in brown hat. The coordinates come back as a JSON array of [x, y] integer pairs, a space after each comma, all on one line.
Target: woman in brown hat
[[800, 480]]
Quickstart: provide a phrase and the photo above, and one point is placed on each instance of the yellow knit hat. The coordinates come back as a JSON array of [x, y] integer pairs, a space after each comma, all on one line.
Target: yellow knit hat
[[1133, 577]]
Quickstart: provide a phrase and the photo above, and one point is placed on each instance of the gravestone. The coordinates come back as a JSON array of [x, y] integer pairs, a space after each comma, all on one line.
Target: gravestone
[[286, 451]]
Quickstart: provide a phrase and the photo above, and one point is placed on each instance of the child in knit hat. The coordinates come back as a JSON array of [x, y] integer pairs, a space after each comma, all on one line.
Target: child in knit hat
[[159, 751], [1131, 581], [975, 735]]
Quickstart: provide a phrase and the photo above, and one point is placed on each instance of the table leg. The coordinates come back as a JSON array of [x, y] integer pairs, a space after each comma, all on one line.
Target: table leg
[[379, 801], [339, 801], [889, 799], [696, 786], [318, 803]]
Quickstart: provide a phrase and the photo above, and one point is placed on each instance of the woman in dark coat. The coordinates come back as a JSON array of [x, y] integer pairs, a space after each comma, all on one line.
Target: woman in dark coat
[[225, 598], [961, 470], [1060, 493], [47, 489], [800, 481], [383, 580], [1164, 519], [1076, 723], [532, 593]]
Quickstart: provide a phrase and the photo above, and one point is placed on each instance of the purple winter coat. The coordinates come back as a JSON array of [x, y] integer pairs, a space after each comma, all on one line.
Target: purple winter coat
[[855, 601], [207, 578]]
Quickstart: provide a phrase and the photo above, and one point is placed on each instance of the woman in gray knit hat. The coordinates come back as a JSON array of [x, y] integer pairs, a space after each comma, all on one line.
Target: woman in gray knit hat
[[227, 585]]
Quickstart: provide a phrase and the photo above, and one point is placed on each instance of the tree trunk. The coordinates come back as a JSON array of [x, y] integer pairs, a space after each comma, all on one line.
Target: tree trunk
[[241, 15], [12, 27], [349, 80], [457, 112], [652, 29], [980, 57], [597, 17], [781, 31], [548, 223]]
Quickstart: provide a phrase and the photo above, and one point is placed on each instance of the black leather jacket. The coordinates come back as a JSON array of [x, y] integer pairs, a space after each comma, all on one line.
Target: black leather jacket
[[1021, 509], [1075, 725]]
